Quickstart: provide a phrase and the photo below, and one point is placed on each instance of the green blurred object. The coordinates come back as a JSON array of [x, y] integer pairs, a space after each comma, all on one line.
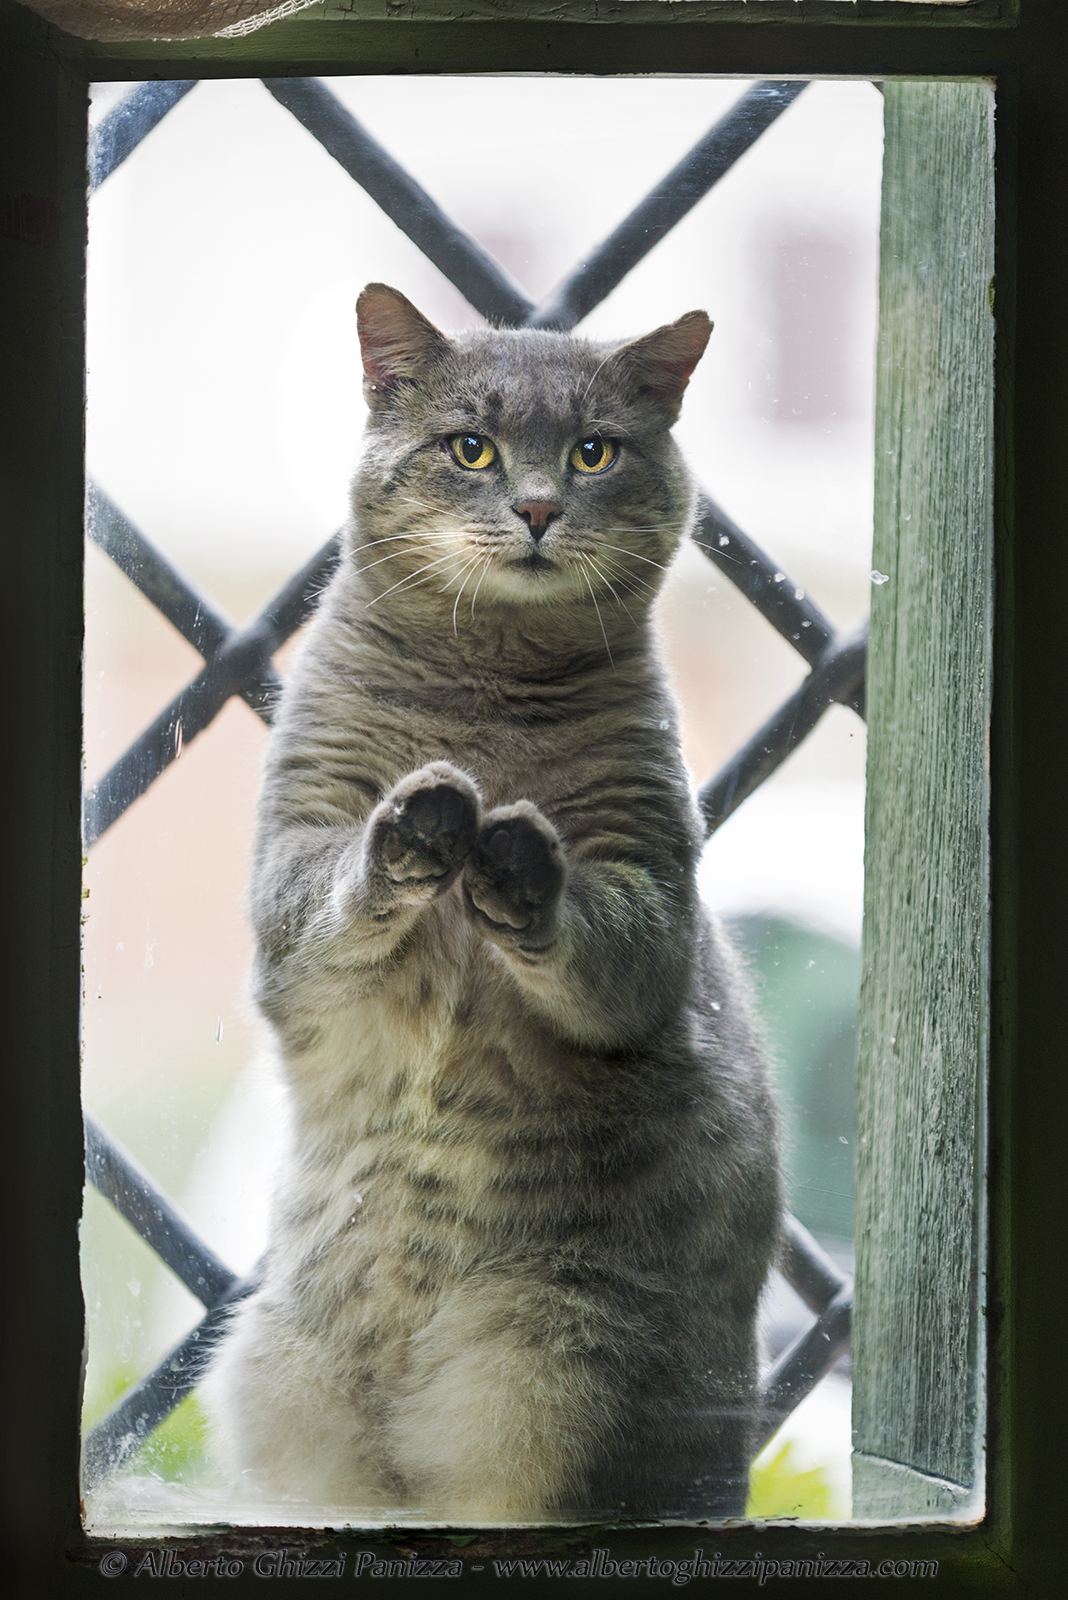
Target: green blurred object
[[807, 989], [175, 1451], [778, 1489]]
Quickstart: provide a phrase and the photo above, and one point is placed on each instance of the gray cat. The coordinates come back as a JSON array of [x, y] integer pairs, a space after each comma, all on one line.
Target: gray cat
[[533, 1189]]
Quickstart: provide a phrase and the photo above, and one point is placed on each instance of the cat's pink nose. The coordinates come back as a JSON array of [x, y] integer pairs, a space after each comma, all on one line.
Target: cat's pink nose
[[537, 514]]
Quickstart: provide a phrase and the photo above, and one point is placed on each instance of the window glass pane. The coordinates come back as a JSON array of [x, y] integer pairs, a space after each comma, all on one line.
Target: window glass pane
[[225, 411]]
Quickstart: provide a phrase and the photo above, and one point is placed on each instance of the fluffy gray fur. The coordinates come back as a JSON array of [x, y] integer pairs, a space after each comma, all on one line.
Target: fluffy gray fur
[[533, 1190]]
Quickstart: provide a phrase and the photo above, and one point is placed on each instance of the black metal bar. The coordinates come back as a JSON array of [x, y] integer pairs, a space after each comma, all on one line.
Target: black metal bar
[[120, 130], [806, 1361], [124, 1182], [807, 1268], [128, 1424], [784, 603], [241, 666], [675, 195], [295, 600], [184, 607], [163, 741], [836, 679], [466, 265], [779, 600]]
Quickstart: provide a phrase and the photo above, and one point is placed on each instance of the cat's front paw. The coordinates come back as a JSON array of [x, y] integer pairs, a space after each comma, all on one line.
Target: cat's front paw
[[515, 874], [423, 830]]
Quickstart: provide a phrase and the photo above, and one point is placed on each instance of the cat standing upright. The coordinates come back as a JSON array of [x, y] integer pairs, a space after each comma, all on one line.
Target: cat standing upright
[[532, 1194]]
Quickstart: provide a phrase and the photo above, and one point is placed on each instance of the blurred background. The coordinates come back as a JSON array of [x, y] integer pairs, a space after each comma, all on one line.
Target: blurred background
[[224, 417]]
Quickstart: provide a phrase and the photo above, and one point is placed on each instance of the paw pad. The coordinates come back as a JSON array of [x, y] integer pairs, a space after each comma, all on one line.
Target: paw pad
[[515, 873]]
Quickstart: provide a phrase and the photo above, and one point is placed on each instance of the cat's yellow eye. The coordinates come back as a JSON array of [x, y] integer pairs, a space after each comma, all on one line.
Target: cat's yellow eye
[[593, 455], [473, 450]]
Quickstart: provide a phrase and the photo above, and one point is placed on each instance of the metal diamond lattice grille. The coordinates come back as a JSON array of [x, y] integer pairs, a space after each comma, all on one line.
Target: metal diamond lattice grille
[[238, 661]]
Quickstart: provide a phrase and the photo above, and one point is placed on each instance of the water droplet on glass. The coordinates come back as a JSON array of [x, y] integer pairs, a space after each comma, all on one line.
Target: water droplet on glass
[[778, 578], [811, 965], [799, 594], [218, 1030], [842, 1139], [878, 577], [665, 725], [134, 1287], [723, 540], [715, 1005]]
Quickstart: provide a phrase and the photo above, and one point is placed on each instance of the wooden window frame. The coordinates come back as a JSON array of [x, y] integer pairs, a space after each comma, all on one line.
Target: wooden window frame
[[42, 238]]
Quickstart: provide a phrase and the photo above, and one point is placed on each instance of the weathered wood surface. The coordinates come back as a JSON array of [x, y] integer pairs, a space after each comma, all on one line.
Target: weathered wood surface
[[917, 1341]]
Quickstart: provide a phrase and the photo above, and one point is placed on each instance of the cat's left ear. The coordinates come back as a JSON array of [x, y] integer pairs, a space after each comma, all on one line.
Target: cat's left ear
[[396, 341], [661, 363]]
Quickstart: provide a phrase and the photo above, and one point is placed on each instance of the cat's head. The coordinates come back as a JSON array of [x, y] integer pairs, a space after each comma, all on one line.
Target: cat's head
[[525, 465]]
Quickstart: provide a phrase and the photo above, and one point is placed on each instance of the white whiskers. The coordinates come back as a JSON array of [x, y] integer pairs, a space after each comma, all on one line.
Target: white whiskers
[[465, 571], [627, 529], [633, 582], [478, 585], [589, 561], [624, 552], [600, 619], [597, 370], [425, 505], [389, 537], [408, 581], [393, 554]]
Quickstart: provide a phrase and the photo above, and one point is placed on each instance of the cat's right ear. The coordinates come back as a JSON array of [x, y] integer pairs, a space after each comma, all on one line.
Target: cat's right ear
[[661, 364], [396, 342]]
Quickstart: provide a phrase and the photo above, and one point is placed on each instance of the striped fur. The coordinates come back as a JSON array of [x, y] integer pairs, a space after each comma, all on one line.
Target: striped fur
[[533, 1190]]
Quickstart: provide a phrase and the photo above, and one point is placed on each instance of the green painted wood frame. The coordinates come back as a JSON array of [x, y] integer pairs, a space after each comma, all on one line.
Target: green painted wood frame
[[918, 1341], [1014, 1548]]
